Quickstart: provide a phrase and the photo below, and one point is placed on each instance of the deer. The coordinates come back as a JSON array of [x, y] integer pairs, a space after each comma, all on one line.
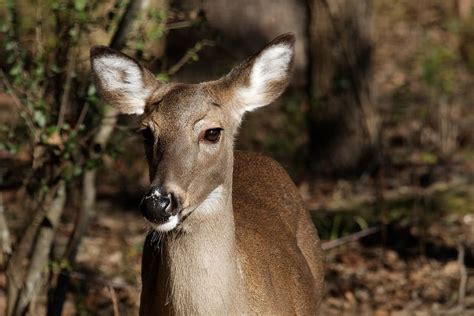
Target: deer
[[229, 233]]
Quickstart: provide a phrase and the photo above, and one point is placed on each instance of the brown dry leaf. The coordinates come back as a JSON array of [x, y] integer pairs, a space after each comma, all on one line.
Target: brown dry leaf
[[381, 312], [451, 269], [55, 139], [350, 297]]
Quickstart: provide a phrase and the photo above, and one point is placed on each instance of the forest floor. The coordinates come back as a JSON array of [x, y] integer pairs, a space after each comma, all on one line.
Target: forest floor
[[419, 262], [418, 271], [413, 265]]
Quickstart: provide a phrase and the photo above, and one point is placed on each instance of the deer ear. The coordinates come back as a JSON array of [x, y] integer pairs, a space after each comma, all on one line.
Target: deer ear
[[120, 80], [263, 77]]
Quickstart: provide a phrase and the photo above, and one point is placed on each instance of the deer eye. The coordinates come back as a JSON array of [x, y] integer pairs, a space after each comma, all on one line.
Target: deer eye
[[212, 135], [148, 136]]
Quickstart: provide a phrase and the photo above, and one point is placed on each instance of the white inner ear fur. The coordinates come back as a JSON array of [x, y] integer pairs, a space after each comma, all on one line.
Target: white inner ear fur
[[271, 65], [124, 76]]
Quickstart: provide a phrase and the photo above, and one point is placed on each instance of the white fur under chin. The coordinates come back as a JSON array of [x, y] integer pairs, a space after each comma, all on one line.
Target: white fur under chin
[[272, 64], [171, 224], [213, 199], [125, 77]]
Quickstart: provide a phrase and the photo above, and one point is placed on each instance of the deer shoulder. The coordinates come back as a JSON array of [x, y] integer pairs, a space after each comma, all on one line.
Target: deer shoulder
[[276, 237]]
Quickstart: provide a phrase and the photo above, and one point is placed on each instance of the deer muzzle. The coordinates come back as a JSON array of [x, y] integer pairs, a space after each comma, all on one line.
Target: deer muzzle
[[158, 206]]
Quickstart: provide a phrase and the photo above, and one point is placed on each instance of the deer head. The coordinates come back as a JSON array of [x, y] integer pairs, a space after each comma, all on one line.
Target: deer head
[[188, 129]]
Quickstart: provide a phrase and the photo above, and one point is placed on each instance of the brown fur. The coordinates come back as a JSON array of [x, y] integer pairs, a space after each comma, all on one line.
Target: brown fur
[[276, 247], [249, 249], [277, 238]]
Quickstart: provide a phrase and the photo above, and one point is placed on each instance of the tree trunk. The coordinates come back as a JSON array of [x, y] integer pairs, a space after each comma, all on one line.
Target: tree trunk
[[343, 124]]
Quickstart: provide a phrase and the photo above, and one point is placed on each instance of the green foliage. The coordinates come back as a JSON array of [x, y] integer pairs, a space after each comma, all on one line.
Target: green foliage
[[437, 66], [152, 28], [429, 158], [36, 77], [58, 105], [157, 29], [57, 265], [335, 225], [163, 77]]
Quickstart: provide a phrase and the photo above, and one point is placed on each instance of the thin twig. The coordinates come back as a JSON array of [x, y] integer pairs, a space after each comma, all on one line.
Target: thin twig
[[67, 88], [462, 276], [180, 25], [38, 28], [349, 238], [119, 39], [82, 116], [189, 55], [5, 241], [113, 296]]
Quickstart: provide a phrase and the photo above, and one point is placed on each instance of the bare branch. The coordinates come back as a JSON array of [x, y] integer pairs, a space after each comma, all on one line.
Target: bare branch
[[16, 268], [82, 116], [113, 296], [67, 88], [5, 242], [349, 238], [120, 36], [38, 28], [189, 55], [40, 257], [180, 25], [462, 277]]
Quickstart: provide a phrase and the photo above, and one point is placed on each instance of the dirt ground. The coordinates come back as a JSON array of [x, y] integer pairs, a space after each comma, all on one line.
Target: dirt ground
[[415, 271]]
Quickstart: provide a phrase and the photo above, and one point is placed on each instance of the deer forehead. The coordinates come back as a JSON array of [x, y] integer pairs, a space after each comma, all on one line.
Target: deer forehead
[[188, 106]]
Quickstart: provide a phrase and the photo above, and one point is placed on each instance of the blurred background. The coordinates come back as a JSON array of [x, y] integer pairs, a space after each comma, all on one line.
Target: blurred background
[[376, 129]]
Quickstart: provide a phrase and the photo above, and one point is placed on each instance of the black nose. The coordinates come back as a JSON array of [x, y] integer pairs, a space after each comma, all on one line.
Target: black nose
[[157, 205]]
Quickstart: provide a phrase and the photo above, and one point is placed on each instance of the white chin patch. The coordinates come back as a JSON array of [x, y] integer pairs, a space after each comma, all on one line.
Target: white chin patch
[[169, 225], [209, 205]]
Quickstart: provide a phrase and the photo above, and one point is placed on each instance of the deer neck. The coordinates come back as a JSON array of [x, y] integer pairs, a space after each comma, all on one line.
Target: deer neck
[[204, 277]]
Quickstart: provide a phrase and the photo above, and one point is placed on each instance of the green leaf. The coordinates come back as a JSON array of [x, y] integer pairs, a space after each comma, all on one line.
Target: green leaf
[[163, 77], [3, 28], [429, 158], [39, 118], [9, 147], [80, 5], [55, 68], [15, 70], [91, 91], [73, 33], [52, 129], [140, 45]]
